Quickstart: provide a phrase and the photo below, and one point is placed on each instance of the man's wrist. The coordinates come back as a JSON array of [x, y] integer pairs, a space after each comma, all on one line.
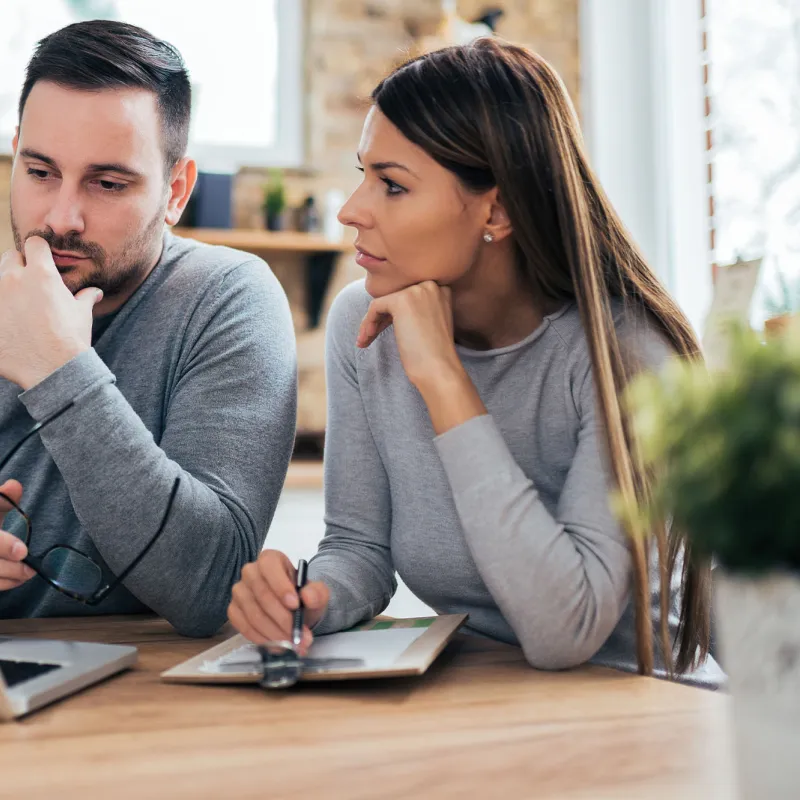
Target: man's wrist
[[40, 368]]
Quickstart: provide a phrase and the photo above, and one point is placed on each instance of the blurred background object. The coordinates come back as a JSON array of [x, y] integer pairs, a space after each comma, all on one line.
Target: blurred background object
[[274, 201]]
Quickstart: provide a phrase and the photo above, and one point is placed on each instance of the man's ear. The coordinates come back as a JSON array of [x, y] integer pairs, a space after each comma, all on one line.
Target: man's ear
[[182, 180], [15, 142], [498, 224]]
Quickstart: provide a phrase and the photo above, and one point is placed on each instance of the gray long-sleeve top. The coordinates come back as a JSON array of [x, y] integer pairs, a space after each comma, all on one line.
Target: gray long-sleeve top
[[505, 517], [194, 377]]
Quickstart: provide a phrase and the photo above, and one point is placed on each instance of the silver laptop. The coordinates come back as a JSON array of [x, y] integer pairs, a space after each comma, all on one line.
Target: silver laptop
[[35, 672]]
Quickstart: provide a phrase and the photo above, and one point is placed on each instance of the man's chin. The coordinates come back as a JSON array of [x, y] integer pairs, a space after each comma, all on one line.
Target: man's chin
[[73, 282]]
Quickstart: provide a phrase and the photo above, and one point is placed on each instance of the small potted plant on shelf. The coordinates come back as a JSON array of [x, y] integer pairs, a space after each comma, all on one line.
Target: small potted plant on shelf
[[274, 201], [724, 449]]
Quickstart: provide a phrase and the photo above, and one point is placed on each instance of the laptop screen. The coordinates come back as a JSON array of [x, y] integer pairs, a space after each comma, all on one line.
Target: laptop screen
[[15, 672]]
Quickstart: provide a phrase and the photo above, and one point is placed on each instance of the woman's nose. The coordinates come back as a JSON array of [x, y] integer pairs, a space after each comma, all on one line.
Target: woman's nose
[[354, 212]]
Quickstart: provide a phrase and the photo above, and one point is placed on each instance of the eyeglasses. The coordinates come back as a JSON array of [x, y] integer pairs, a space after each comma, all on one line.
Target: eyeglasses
[[66, 569], [278, 664]]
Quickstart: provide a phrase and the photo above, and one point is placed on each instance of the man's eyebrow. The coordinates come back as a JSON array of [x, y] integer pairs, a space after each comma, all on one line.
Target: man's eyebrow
[[28, 153], [120, 169], [379, 165]]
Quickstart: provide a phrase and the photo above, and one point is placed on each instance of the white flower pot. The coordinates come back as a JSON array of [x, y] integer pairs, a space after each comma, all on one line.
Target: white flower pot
[[759, 631]]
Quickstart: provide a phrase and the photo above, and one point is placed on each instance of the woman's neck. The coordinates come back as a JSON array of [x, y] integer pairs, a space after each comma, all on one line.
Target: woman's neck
[[492, 307]]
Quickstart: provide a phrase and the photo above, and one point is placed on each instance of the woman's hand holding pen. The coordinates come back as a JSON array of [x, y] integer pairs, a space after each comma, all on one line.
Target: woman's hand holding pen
[[264, 601]]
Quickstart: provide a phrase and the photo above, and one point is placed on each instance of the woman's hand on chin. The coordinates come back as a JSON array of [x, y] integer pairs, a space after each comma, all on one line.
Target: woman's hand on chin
[[422, 318]]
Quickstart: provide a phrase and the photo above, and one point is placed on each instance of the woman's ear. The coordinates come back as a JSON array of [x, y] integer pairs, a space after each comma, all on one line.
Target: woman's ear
[[498, 225]]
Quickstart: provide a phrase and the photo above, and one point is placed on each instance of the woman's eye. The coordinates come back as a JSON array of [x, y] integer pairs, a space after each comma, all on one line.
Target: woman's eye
[[392, 188]]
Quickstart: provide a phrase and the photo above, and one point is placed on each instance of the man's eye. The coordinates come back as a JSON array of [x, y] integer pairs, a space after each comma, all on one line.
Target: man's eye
[[111, 186], [41, 174]]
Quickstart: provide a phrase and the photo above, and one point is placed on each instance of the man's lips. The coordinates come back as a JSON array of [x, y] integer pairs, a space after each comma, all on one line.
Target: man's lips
[[67, 259]]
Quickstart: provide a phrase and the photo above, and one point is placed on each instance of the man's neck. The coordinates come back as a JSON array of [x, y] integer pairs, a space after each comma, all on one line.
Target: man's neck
[[112, 304]]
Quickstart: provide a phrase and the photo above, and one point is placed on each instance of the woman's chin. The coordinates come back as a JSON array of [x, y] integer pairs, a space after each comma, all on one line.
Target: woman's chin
[[379, 286]]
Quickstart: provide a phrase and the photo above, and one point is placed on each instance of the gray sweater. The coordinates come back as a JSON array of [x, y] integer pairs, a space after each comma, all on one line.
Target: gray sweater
[[505, 517], [195, 376]]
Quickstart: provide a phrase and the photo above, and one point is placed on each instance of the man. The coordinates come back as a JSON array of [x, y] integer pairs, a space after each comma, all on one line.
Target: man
[[169, 359]]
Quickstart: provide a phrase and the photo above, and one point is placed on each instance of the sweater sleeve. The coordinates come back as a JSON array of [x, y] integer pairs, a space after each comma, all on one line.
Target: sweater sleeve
[[228, 433], [573, 567], [354, 557]]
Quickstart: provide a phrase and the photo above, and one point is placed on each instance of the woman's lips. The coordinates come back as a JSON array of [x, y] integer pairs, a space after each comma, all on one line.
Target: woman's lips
[[367, 260]]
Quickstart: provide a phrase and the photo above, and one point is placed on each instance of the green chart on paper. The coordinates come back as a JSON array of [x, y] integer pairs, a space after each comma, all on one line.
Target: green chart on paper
[[394, 624]]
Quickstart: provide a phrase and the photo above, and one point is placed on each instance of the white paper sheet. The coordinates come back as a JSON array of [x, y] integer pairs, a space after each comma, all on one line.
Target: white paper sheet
[[377, 648]]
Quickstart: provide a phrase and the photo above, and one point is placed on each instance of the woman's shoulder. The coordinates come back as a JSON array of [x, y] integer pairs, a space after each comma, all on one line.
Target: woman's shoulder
[[639, 335], [347, 311]]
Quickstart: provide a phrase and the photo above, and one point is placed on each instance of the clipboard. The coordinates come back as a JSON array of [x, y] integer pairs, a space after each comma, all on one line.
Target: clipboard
[[409, 647]]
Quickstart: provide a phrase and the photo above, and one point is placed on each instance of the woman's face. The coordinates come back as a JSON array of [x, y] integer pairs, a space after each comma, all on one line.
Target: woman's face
[[414, 219]]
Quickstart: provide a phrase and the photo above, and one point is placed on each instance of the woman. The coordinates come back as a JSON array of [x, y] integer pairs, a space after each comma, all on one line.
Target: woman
[[475, 426]]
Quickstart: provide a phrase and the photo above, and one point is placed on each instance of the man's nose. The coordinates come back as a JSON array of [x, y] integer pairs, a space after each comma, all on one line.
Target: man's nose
[[65, 215]]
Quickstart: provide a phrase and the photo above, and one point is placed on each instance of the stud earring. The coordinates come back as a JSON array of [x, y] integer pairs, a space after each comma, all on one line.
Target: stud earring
[[488, 238]]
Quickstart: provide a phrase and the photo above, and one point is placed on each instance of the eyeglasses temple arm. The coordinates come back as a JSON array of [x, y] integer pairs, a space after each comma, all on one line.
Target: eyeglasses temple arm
[[32, 432], [121, 577]]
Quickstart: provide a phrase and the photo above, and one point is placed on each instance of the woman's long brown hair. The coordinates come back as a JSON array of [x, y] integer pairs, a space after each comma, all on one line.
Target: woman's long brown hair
[[498, 115]]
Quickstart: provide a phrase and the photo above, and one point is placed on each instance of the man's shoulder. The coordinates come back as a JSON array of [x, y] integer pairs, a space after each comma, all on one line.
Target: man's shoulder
[[198, 285], [197, 267]]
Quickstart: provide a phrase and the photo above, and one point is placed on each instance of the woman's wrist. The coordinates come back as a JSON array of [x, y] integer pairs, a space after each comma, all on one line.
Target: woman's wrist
[[451, 398]]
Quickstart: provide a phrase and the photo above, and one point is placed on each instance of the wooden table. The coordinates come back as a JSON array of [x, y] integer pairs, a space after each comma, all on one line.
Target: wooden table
[[480, 724]]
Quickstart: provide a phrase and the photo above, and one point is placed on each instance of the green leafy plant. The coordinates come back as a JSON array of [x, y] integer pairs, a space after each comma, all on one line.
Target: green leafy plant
[[787, 298], [724, 449], [274, 194]]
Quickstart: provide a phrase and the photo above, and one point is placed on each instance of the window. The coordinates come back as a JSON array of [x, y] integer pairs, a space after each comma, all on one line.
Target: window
[[244, 59], [641, 95], [755, 90]]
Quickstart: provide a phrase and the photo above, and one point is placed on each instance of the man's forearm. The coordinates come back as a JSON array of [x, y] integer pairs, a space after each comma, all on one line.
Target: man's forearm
[[119, 481]]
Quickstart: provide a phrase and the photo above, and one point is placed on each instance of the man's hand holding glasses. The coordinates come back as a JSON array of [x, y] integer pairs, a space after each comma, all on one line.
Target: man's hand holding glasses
[[63, 567], [13, 572]]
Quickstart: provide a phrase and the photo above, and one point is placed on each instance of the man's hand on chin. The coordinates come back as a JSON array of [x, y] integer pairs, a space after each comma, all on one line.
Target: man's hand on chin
[[42, 326]]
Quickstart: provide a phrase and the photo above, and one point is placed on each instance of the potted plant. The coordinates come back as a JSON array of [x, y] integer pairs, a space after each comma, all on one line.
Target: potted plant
[[274, 201], [724, 449], [780, 307]]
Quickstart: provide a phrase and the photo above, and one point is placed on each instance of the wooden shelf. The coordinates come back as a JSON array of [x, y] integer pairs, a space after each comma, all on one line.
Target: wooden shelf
[[261, 241], [304, 475]]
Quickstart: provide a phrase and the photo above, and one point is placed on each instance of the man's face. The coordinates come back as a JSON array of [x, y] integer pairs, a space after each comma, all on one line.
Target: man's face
[[89, 178]]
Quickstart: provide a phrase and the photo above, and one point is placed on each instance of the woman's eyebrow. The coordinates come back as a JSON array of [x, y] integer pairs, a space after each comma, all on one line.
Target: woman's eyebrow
[[379, 165]]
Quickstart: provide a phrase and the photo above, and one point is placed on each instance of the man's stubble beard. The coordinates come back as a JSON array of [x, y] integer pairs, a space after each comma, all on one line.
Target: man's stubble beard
[[114, 275]]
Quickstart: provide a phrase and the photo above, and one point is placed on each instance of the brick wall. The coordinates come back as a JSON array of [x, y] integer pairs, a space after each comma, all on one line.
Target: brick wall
[[352, 44]]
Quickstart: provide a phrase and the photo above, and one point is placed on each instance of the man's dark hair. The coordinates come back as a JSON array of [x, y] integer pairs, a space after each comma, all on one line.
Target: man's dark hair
[[103, 54]]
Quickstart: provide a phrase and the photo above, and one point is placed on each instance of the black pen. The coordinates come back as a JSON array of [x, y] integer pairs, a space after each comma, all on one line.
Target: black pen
[[302, 577]]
